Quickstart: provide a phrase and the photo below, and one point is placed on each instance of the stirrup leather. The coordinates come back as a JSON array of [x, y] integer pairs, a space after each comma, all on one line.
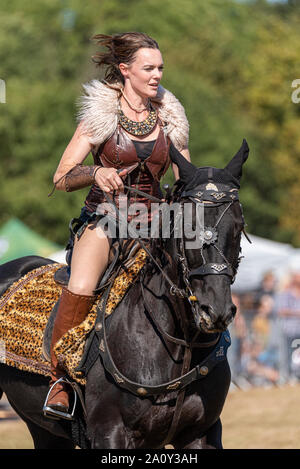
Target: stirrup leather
[[49, 412]]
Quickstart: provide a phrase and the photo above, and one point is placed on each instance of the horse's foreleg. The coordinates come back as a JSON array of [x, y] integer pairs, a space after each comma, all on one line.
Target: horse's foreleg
[[106, 429], [43, 439], [214, 436], [112, 438], [211, 440]]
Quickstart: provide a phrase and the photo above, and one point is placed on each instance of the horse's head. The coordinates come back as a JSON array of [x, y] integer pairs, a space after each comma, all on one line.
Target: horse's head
[[209, 248]]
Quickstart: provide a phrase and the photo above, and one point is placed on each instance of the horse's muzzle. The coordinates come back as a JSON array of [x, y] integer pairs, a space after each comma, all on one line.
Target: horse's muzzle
[[211, 322]]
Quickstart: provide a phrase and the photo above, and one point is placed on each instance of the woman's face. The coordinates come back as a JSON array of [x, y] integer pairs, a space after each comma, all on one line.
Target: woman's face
[[144, 73]]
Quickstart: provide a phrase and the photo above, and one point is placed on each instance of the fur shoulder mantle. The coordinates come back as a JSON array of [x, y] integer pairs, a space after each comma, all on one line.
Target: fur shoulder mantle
[[98, 113]]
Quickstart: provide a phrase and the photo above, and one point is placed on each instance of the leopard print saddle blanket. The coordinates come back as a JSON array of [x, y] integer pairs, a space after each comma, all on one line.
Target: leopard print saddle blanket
[[24, 311]]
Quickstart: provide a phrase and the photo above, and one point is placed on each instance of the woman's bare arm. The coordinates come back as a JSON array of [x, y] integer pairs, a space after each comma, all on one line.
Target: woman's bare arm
[[75, 153], [77, 177]]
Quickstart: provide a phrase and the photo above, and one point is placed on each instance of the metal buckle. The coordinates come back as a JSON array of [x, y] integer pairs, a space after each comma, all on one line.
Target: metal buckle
[[175, 291], [53, 413]]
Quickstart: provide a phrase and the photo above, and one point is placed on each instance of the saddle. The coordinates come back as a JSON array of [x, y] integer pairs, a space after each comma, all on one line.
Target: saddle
[[122, 256], [29, 302]]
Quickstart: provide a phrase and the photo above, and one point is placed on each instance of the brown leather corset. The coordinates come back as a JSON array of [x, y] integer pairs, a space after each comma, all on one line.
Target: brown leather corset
[[119, 152]]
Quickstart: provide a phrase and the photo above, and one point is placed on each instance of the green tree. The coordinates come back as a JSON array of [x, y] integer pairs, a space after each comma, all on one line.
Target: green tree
[[230, 63]]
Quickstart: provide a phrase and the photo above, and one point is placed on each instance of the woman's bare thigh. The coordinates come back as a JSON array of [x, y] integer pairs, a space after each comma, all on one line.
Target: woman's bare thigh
[[89, 260]]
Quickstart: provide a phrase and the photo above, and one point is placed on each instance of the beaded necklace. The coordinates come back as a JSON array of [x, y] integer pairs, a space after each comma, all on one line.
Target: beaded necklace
[[138, 128]]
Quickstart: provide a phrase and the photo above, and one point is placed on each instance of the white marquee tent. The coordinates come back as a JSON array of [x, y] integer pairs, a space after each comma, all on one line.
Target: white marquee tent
[[261, 256]]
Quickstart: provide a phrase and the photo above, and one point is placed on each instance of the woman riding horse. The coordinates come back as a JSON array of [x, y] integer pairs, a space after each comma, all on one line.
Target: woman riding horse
[[134, 128]]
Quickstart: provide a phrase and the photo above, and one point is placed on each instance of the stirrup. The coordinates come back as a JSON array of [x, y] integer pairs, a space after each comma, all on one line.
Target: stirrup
[[56, 414]]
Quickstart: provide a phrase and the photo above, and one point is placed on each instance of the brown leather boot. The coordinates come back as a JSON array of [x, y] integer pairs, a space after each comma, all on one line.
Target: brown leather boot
[[72, 310]]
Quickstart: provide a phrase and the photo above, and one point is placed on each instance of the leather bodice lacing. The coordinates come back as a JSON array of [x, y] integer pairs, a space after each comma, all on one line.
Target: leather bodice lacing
[[120, 152]]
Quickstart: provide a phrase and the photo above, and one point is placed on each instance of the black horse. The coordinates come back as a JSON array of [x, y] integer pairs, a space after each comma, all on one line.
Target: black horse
[[161, 375]]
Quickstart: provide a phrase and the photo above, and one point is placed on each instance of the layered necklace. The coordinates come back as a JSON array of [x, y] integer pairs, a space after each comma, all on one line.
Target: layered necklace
[[134, 127]]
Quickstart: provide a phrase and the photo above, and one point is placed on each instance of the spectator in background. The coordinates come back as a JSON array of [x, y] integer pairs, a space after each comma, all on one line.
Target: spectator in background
[[268, 285], [238, 334], [261, 323], [287, 308], [262, 365], [254, 357], [265, 324]]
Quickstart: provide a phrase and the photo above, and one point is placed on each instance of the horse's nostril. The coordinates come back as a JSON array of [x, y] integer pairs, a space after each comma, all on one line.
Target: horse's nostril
[[213, 320], [207, 309], [208, 313]]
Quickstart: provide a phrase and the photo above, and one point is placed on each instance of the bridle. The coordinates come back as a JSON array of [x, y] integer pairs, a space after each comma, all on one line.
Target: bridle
[[209, 237], [209, 234], [199, 195]]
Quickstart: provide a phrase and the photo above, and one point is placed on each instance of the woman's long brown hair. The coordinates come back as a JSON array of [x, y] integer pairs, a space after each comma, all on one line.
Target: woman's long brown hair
[[121, 48]]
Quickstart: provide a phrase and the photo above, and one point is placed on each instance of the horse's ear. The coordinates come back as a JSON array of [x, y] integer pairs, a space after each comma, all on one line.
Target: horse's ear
[[186, 169], [236, 164]]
